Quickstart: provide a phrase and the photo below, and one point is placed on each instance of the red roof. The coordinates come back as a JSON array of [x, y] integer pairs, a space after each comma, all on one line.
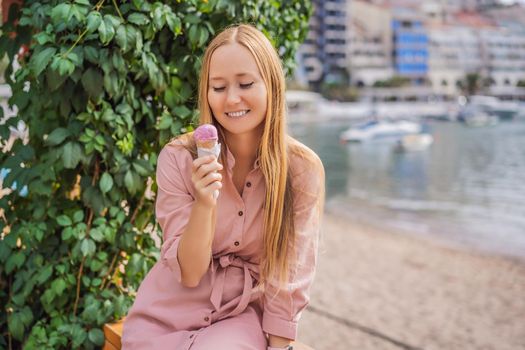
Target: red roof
[[472, 19]]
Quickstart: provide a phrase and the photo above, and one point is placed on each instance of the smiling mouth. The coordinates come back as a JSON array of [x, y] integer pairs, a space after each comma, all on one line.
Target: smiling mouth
[[237, 114]]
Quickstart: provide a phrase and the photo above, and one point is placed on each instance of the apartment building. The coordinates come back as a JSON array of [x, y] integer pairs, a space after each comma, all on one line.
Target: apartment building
[[370, 50], [323, 54]]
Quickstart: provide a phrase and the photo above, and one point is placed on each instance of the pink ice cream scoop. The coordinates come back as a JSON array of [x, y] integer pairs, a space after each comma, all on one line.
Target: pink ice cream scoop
[[206, 136]]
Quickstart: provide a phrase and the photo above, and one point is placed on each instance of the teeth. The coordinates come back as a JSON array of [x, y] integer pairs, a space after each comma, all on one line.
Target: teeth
[[237, 114]]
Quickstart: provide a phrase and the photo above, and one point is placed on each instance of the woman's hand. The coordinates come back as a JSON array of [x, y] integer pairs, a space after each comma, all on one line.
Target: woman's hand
[[206, 179]]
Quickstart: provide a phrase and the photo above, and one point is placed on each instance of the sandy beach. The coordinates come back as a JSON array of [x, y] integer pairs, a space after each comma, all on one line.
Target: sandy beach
[[386, 290]]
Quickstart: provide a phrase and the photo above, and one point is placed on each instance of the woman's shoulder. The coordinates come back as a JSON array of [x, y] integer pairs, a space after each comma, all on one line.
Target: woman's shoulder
[[302, 159], [180, 149]]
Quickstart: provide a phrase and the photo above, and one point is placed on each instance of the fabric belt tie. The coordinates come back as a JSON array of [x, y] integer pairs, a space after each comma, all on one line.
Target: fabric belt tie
[[219, 277]]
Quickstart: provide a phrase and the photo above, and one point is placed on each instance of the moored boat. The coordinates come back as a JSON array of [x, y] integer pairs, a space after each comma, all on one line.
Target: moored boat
[[375, 129]]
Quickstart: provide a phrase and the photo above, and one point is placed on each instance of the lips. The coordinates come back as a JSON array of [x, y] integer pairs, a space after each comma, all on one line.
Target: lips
[[237, 114]]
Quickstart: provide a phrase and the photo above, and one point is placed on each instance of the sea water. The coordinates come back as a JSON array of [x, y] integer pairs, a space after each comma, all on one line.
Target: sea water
[[467, 188]]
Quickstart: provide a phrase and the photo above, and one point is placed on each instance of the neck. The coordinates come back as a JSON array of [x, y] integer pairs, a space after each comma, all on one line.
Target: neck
[[244, 146]]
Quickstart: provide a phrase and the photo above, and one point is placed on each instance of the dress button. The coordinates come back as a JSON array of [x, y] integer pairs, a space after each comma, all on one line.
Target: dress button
[[240, 213], [206, 318], [248, 184], [236, 243], [191, 336]]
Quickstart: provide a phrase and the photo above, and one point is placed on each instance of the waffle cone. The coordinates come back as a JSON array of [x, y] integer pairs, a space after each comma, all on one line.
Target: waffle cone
[[206, 144]]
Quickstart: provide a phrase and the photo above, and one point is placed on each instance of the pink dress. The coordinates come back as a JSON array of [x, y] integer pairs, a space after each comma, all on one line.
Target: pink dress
[[224, 311]]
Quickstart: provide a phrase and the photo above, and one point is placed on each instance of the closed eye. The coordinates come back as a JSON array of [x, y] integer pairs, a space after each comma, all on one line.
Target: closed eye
[[219, 89], [246, 86]]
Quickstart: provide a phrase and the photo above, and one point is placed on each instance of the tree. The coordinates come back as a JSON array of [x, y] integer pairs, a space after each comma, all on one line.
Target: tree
[[395, 81], [102, 87]]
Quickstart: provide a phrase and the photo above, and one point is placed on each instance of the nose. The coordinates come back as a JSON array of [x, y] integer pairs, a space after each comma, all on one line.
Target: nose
[[233, 96]]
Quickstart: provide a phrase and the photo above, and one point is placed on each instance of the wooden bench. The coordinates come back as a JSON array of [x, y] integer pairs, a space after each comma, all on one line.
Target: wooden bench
[[113, 332]]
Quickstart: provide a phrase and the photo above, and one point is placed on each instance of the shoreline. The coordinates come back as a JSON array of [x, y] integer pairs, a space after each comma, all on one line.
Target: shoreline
[[423, 231], [377, 289]]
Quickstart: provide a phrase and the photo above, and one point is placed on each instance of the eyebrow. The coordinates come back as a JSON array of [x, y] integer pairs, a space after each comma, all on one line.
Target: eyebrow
[[237, 75]]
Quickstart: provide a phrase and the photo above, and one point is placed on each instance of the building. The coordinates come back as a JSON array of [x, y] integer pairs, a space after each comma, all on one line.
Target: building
[[504, 56], [322, 56], [370, 50], [454, 52], [410, 45], [386, 41], [433, 43]]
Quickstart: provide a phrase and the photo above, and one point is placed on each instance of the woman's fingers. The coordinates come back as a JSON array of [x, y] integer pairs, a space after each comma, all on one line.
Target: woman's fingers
[[209, 179], [201, 169], [206, 177], [202, 160]]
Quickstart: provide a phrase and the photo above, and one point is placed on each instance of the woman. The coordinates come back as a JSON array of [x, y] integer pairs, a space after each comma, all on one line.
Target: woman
[[235, 270]]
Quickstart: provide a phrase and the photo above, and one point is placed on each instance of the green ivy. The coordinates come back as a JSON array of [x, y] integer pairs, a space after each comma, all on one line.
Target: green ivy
[[102, 87]]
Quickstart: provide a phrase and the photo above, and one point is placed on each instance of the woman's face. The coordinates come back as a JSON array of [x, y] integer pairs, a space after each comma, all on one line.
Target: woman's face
[[236, 93]]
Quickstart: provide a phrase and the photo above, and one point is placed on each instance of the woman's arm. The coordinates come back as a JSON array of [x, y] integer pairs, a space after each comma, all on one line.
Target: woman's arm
[[278, 342], [194, 251]]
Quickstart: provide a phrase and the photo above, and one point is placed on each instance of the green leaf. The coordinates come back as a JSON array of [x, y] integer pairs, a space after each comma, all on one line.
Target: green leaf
[[40, 60], [165, 121], [87, 247], [93, 21], [142, 167], [71, 155], [114, 20], [5, 251], [53, 79], [57, 136], [91, 54], [63, 65], [203, 36], [132, 182], [44, 38], [125, 37], [64, 220], [192, 19], [96, 234], [79, 335], [61, 13], [110, 234], [78, 12], [92, 81], [194, 34], [26, 316], [99, 139], [106, 182], [78, 216], [138, 19], [15, 326], [16, 260], [76, 59], [58, 286], [106, 30], [174, 23], [44, 274], [96, 336], [159, 19], [182, 112]]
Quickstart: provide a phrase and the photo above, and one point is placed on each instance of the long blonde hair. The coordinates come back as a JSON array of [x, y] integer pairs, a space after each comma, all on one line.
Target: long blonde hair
[[278, 225]]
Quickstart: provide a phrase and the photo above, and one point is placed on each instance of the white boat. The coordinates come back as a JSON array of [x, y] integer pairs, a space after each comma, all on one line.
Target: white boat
[[476, 117], [494, 106], [379, 130], [414, 142]]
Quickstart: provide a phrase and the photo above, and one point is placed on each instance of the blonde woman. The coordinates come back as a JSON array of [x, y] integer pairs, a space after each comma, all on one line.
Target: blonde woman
[[235, 271]]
